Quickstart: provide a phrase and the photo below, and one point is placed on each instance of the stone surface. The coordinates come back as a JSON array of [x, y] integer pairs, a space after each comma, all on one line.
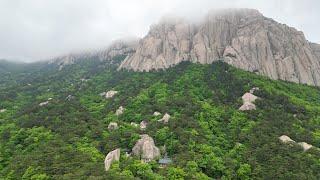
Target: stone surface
[[156, 113], [165, 118], [2, 110], [248, 97], [143, 125], [247, 106], [248, 100], [305, 146], [110, 94], [119, 111], [44, 103], [111, 157], [243, 38], [145, 148], [286, 139], [113, 126]]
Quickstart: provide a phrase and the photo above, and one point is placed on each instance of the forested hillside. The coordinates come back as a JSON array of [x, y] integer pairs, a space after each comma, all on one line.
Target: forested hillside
[[207, 137]]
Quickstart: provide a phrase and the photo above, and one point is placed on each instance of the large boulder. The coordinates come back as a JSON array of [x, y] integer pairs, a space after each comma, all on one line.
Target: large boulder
[[146, 149], [111, 157]]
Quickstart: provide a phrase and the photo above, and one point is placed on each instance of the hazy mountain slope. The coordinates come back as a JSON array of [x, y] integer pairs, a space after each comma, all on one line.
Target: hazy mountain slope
[[207, 136], [243, 38]]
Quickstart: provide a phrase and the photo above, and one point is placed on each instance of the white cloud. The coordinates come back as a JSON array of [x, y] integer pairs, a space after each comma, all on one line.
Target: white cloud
[[39, 29]]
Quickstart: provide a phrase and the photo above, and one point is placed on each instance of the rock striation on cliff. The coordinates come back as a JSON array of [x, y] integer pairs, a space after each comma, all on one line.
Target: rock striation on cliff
[[243, 38]]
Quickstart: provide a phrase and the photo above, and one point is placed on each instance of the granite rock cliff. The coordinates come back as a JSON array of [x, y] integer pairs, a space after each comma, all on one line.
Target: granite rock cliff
[[243, 38]]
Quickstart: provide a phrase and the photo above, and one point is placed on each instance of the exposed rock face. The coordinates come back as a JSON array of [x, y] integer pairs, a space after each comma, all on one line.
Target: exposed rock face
[[248, 100], [113, 126], [165, 118], [243, 38], [146, 149], [111, 157], [119, 111]]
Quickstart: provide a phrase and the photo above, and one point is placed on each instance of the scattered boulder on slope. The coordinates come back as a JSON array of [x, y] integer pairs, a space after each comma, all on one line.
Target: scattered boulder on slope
[[247, 106], [2, 110], [146, 149], [248, 99], [305, 146], [143, 125], [111, 157], [165, 118], [44, 103], [156, 113], [110, 94], [119, 111], [286, 139], [113, 126]]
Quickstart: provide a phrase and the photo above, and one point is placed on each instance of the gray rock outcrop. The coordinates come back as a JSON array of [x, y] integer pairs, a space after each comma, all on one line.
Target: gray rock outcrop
[[243, 38], [111, 157], [248, 100], [145, 148]]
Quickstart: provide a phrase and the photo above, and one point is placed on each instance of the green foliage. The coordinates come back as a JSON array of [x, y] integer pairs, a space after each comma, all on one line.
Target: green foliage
[[206, 137]]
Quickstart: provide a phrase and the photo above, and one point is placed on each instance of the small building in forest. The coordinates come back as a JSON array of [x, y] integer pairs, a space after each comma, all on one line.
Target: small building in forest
[[164, 162]]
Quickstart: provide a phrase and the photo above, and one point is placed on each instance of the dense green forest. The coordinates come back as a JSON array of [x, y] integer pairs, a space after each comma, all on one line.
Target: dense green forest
[[207, 136]]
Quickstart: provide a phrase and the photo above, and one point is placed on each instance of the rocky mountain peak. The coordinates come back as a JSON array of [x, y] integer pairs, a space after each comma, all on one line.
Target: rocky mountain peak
[[243, 38]]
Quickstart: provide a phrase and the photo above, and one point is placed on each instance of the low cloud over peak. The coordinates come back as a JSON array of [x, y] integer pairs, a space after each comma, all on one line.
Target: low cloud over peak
[[34, 30]]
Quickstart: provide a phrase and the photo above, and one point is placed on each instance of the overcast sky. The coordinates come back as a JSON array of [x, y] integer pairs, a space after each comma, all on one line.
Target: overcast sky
[[39, 29]]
